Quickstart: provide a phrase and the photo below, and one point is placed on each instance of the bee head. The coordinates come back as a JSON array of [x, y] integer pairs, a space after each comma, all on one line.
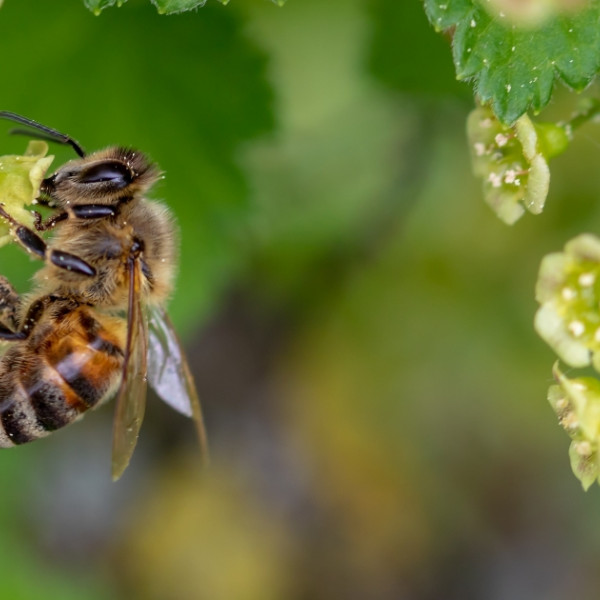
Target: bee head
[[106, 177]]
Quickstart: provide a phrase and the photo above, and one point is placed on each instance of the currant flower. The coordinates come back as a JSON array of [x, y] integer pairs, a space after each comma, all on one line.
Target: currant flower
[[576, 402], [568, 290], [20, 180], [513, 161]]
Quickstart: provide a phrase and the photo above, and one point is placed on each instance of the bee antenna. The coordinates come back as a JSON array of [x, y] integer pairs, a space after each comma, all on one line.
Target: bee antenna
[[43, 133]]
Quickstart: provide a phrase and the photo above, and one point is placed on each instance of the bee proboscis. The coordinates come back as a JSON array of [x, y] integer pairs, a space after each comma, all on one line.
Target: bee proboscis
[[95, 324]]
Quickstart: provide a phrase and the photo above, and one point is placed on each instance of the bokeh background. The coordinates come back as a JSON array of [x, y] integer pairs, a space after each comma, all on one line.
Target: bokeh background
[[358, 321]]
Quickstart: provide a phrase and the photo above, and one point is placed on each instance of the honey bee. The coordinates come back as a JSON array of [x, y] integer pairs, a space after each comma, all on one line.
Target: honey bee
[[95, 325]]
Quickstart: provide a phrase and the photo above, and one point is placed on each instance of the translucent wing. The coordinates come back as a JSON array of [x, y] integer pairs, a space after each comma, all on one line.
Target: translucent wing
[[131, 398], [169, 373]]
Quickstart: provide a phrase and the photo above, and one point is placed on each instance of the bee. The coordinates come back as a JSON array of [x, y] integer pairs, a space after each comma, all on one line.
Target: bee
[[95, 324]]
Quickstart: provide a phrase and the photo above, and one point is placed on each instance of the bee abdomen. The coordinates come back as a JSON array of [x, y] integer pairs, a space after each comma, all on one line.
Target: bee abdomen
[[46, 390]]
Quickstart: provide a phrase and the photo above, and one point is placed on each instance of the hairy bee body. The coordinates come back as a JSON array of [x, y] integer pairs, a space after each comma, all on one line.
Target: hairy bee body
[[82, 335], [73, 356]]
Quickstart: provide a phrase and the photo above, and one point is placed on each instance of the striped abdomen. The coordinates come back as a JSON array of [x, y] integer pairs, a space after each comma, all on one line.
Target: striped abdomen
[[67, 366]]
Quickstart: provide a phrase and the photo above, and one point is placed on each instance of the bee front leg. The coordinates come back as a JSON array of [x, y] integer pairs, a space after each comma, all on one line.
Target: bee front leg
[[35, 245], [50, 222], [10, 302]]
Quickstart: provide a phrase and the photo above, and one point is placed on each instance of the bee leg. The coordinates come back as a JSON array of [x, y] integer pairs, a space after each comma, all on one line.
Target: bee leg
[[50, 222], [10, 303], [94, 211], [82, 211], [34, 244], [34, 313]]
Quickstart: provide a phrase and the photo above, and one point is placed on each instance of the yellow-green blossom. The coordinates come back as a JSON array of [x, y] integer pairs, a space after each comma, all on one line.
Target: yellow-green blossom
[[568, 290], [576, 402], [512, 161], [20, 179]]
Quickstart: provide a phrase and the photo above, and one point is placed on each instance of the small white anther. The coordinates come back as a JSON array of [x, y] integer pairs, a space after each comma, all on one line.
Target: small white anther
[[501, 139], [479, 148], [587, 279], [495, 179], [577, 328]]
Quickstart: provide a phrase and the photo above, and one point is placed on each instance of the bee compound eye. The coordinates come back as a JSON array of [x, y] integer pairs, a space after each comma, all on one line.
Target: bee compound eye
[[114, 173]]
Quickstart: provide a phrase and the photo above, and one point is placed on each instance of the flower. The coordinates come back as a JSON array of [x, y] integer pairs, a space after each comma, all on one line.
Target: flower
[[568, 290], [20, 179], [576, 402], [513, 161]]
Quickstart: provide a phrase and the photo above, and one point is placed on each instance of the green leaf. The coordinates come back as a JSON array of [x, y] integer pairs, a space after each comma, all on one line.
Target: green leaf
[[171, 7], [514, 65], [446, 14], [97, 6]]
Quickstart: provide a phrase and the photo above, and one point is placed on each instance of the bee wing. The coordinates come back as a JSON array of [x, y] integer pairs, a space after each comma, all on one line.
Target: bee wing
[[169, 373], [131, 398]]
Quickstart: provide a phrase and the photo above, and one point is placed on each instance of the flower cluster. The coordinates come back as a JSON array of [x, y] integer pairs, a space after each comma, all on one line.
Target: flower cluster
[[568, 290]]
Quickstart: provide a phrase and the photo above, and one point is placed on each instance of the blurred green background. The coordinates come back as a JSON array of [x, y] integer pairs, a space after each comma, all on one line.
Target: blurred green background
[[358, 321]]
